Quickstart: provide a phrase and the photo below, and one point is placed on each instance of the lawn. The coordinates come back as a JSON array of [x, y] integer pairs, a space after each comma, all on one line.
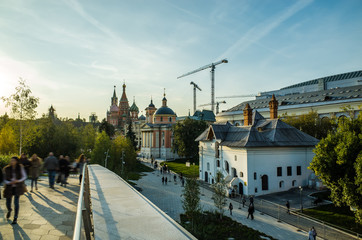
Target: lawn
[[137, 173], [339, 216], [208, 226], [179, 166]]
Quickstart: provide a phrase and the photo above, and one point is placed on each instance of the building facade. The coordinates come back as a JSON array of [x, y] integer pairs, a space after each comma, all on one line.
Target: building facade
[[156, 133], [328, 96], [261, 157]]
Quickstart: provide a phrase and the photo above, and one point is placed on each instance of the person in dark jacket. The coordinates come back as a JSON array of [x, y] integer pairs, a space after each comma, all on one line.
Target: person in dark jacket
[[251, 211], [14, 177], [231, 208], [63, 171], [52, 165], [80, 164], [34, 171], [25, 162]]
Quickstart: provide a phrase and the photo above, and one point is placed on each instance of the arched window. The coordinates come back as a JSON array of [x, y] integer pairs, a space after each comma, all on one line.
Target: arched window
[[163, 138], [234, 172], [227, 167], [208, 166], [170, 119], [281, 184], [294, 183], [217, 163], [161, 119], [264, 183]]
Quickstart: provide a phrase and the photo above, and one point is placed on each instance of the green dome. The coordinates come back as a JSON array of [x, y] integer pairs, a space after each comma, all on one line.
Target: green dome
[[134, 108]]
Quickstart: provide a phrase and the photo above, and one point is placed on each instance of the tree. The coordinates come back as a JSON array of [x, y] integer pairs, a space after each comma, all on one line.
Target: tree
[[338, 163], [101, 146], [7, 140], [131, 135], [219, 195], [122, 148], [191, 198], [87, 138], [184, 134], [22, 105], [311, 124], [108, 128]]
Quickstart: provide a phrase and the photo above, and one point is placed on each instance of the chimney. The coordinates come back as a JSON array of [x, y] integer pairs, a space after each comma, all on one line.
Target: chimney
[[273, 106], [248, 115]]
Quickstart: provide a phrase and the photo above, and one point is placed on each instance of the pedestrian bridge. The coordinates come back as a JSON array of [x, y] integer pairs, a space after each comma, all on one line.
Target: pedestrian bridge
[[121, 212]]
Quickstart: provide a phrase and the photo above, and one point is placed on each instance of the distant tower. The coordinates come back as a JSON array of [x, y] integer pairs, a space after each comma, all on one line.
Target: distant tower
[[150, 110], [51, 112], [123, 107], [134, 110], [248, 115], [273, 106], [114, 99]]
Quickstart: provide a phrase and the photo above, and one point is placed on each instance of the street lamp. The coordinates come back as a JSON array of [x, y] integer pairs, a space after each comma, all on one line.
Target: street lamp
[[301, 201]]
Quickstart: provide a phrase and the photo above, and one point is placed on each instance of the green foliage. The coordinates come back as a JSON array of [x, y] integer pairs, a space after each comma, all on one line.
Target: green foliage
[[5, 159], [338, 216], [219, 195], [179, 166], [121, 147], [8, 142], [22, 106], [108, 128], [184, 134], [207, 226], [88, 136], [131, 135], [311, 124], [191, 198], [338, 163], [101, 146]]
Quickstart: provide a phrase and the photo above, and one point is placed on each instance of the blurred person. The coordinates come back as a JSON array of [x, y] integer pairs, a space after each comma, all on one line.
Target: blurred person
[[52, 165], [25, 162], [63, 171], [14, 177], [34, 169], [80, 164]]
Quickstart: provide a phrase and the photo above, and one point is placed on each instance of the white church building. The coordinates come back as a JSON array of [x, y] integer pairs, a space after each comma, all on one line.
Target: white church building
[[263, 156]]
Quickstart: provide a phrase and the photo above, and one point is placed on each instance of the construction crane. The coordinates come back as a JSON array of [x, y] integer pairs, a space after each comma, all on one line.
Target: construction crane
[[217, 105], [212, 66], [239, 96], [195, 87]]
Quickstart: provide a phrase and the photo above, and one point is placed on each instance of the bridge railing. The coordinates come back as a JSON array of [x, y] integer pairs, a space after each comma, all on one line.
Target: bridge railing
[[84, 212]]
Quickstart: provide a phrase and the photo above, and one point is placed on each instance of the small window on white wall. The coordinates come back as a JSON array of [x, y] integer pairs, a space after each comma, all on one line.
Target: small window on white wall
[[208, 166], [241, 174], [236, 158], [281, 184], [294, 183]]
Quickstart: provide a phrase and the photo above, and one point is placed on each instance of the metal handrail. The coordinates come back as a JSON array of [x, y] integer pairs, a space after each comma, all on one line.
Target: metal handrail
[[78, 218]]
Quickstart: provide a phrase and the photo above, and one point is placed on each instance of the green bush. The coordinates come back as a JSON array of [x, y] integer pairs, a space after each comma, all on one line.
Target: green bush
[[208, 226], [5, 159]]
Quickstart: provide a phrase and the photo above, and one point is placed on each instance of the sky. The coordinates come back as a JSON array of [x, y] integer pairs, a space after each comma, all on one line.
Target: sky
[[71, 53]]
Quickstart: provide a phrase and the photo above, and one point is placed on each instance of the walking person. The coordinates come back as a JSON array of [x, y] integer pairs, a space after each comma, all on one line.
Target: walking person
[[182, 181], [63, 171], [14, 177], [166, 180], [231, 208], [80, 165], [251, 211], [174, 178], [288, 207], [244, 200], [163, 180], [312, 234], [52, 165], [25, 162], [34, 171]]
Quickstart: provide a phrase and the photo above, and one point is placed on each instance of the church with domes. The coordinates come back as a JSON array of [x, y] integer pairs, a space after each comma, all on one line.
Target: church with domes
[[120, 113], [157, 137]]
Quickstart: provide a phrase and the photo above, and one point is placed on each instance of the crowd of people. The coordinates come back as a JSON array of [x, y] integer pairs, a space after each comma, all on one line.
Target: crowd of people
[[19, 169]]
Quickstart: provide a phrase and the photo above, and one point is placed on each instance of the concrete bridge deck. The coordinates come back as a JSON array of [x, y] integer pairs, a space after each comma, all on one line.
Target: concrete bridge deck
[[121, 212], [45, 214]]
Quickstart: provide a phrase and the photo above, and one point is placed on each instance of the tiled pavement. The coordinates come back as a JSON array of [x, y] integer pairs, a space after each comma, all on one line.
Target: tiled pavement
[[44, 214]]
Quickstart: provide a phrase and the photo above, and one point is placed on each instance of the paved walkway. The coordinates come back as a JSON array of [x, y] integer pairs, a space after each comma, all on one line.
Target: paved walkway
[[168, 198], [45, 214]]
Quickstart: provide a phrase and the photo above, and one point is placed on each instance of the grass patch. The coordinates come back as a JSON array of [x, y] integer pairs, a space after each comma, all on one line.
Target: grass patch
[[136, 173], [339, 216], [208, 226], [179, 166]]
